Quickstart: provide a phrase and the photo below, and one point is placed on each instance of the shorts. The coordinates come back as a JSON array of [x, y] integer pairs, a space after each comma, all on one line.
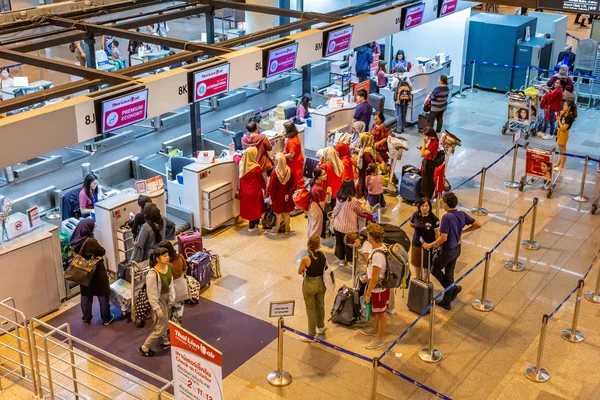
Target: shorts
[[379, 301]]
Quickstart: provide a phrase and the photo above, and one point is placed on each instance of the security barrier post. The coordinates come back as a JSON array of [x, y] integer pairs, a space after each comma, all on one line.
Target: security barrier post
[[483, 304], [573, 335], [430, 354], [479, 210], [515, 265], [536, 373], [472, 88], [438, 205], [512, 184], [580, 198], [354, 262], [594, 296], [460, 94], [374, 374], [280, 377], [532, 244]]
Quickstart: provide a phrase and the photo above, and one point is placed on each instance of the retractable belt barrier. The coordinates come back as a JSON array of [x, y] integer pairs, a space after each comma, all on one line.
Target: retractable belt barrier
[[495, 64], [574, 37]]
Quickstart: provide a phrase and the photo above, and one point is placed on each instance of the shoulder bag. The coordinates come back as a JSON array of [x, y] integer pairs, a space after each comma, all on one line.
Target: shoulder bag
[[80, 269]]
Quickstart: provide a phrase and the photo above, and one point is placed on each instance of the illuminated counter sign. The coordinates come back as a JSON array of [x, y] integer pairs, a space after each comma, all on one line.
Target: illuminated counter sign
[[338, 40], [447, 7], [581, 6], [282, 59], [413, 16], [124, 110], [211, 82]]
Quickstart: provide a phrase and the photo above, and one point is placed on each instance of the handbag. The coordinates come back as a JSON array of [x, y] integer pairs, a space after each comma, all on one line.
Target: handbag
[[329, 279], [182, 291], [268, 220], [81, 270]]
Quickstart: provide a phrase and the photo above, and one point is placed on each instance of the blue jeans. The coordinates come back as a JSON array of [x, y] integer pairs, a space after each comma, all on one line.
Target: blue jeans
[[86, 308], [401, 110], [552, 122]]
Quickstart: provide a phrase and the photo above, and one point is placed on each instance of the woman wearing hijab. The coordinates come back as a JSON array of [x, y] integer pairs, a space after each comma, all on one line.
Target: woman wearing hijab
[[139, 220], [156, 229], [343, 151], [334, 168], [252, 185], [366, 156], [294, 154], [563, 73], [280, 191], [83, 242]]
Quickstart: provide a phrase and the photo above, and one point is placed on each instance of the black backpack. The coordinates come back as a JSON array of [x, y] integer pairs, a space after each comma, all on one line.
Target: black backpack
[[402, 91], [440, 158], [346, 307]]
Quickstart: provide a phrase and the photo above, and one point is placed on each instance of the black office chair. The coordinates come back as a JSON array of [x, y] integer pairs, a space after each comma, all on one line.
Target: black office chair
[[376, 101], [237, 140], [289, 112]]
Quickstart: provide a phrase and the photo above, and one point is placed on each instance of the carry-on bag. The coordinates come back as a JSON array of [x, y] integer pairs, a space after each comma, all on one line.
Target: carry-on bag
[[194, 288], [392, 234], [422, 122], [120, 295], [309, 166], [420, 289], [190, 243], [81, 270], [346, 307], [410, 169], [200, 267], [215, 263], [410, 188], [124, 270]]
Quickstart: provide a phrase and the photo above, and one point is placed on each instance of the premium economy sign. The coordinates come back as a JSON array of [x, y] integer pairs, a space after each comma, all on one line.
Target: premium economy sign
[[282, 59], [338, 41], [414, 16], [124, 110], [447, 7], [211, 82], [197, 373]]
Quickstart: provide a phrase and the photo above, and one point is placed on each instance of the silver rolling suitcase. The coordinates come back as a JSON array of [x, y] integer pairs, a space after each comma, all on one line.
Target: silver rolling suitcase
[[420, 289]]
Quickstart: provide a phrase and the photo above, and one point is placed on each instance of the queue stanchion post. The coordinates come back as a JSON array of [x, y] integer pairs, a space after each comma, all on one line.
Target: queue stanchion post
[[512, 184], [573, 335], [479, 210], [483, 304], [374, 375], [580, 198], [354, 262], [515, 265], [594, 295], [536, 373], [430, 354], [531, 244], [438, 205], [460, 94], [472, 88], [280, 377]]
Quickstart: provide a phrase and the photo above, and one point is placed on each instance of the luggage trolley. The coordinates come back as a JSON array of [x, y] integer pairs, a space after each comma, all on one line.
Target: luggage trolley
[[396, 146], [449, 143], [123, 294], [539, 164], [522, 113]]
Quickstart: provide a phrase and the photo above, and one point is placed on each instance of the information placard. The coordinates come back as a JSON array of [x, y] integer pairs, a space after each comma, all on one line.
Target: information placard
[[197, 366], [577, 6], [281, 59], [124, 110], [282, 308], [446, 7], [211, 82], [413, 16], [338, 41]]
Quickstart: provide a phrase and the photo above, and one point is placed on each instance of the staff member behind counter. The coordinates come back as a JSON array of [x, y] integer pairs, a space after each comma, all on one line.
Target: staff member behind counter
[[302, 111], [88, 196]]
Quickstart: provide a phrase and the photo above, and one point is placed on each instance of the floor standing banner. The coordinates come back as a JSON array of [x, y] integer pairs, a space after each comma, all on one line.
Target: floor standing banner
[[197, 373]]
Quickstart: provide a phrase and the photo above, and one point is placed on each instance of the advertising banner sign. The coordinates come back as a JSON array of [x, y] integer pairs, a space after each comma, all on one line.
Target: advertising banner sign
[[197, 368], [414, 16], [447, 7], [282, 59], [338, 41], [124, 110], [539, 164], [211, 82]]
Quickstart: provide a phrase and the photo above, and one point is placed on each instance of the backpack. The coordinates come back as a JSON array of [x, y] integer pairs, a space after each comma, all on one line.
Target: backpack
[[397, 272], [440, 158], [301, 199], [72, 47], [346, 307], [402, 91]]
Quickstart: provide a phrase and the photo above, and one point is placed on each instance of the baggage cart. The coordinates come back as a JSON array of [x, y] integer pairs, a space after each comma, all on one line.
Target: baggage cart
[[522, 114], [123, 293], [539, 164], [396, 146]]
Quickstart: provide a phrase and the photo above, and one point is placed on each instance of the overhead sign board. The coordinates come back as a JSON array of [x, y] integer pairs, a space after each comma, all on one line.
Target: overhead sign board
[[281, 59], [211, 82], [446, 7], [576, 6], [412, 16], [337, 40], [123, 110]]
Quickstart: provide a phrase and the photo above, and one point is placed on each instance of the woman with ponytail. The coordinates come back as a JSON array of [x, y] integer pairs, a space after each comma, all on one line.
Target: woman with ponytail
[[313, 288]]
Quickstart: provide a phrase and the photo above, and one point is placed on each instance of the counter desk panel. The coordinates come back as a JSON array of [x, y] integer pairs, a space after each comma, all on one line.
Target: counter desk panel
[[324, 121]]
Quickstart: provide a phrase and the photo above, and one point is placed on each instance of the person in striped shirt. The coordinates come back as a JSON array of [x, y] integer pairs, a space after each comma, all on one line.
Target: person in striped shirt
[[439, 102]]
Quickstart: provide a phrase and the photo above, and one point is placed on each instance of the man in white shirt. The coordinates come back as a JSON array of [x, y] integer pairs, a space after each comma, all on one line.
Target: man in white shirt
[[401, 87]]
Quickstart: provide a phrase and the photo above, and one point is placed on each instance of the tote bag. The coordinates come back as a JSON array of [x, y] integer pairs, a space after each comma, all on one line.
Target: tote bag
[[80, 269]]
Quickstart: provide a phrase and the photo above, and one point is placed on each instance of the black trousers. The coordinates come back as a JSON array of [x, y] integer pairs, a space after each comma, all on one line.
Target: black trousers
[[446, 261], [325, 232], [436, 116], [254, 223], [427, 182], [342, 250]]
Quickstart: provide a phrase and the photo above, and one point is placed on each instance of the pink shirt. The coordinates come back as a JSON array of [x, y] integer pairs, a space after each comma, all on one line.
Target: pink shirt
[[381, 79], [374, 184], [85, 201], [300, 112]]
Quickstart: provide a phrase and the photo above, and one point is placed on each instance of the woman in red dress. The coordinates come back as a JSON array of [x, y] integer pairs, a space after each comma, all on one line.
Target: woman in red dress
[[281, 189], [366, 156], [334, 168], [252, 185], [344, 153], [380, 136], [294, 154]]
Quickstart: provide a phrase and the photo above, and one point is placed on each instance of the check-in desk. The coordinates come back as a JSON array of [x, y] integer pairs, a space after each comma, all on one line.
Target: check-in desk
[[32, 272], [326, 121], [13, 91], [278, 140], [137, 59]]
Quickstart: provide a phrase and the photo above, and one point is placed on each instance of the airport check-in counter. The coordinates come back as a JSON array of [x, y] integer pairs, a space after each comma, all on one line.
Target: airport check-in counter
[[113, 213], [32, 272], [137, 59], [326, 121], [13, 91], [278, 140]]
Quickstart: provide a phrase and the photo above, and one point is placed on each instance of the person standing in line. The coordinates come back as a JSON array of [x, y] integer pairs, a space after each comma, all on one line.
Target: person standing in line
[[364, 58], [563, 73], [451, 230], [280, 191], [83, 242], [380, 136], [88, 196], [318, 199], [156, 229], [426, 227], [381, 75], [335, 169], [565, 121], [161, 296], [363, 109], [80, 55], [375, 186], [429, 150], [252, 186], [139, 220], [294, 154], [553, 101], [366, 157], [344, 219], [376, 253], [402, 89], [344, 154], [312, 268], [439, 102], [179, 268], [262, 144]]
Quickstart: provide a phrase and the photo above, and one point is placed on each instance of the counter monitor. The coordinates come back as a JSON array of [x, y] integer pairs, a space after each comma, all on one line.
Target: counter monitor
[[281, 59], [337, 40], [412, 16], [446, 7], [124, 110], [211, 82]]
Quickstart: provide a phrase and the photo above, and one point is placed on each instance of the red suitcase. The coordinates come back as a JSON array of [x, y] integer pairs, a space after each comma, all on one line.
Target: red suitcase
[[190, 243]]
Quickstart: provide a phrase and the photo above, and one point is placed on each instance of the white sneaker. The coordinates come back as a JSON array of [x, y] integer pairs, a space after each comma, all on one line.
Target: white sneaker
[[270, 232], [342, 263], [547, 136], [374, 344], [391, 311], [369, 332], [321, 331], [307, 340], [251, 229]]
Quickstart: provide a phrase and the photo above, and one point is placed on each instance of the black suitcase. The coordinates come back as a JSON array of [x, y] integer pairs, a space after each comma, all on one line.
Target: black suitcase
[[422, 122], [410, 169], [420, 291], [309, 166], [124, 271]]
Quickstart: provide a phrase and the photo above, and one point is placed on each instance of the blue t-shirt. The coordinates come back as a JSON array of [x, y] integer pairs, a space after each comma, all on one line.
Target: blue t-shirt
[[452, 225], [363, 113], [424, 228]]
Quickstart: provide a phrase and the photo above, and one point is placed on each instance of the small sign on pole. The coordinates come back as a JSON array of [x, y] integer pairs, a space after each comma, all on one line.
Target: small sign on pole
[[282, 308], [516, 136]]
